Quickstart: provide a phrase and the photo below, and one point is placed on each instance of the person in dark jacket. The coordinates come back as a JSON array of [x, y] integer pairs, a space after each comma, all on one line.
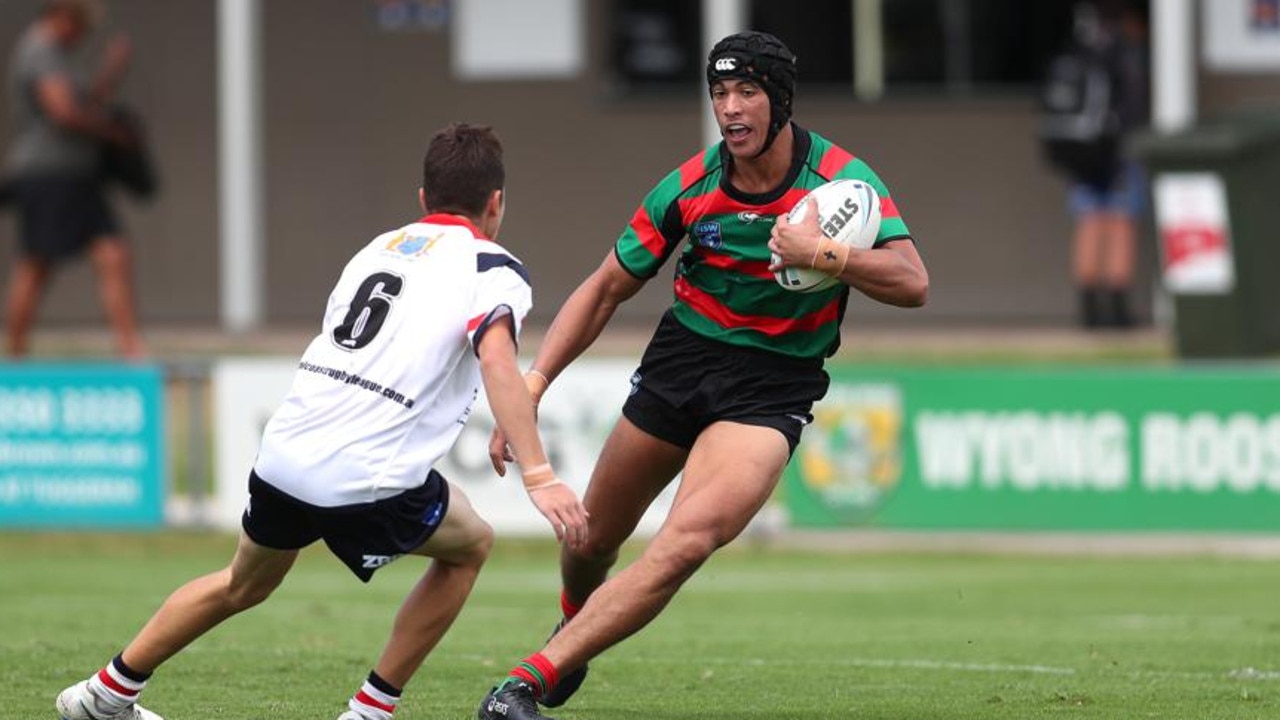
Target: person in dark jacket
[[1104, 241]]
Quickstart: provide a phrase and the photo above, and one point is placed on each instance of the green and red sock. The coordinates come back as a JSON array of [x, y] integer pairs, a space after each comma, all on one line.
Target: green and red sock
[[535, 671], [567, 607]]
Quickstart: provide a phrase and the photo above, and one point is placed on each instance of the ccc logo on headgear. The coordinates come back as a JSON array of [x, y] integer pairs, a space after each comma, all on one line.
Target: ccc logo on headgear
[[725, 64]]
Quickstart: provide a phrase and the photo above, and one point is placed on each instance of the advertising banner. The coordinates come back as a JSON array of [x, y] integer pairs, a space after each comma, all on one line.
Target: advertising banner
[[1195, 236], [81, 446], [1053, 449]]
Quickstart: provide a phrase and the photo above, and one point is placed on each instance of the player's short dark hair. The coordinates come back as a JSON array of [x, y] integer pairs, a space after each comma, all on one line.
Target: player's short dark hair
[[462, 168]]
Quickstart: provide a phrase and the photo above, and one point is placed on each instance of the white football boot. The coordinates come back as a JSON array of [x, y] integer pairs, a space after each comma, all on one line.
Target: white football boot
[[79, 703]]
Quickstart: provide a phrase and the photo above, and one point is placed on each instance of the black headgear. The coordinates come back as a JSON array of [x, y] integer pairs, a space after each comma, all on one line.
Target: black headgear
[[764, 60]]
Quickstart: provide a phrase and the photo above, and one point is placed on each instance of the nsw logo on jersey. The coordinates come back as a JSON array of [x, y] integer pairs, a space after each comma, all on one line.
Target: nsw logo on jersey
[[707, 233], [410, 245]]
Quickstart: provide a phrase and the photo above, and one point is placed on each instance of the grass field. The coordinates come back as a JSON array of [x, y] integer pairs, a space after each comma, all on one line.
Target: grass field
[[759, 633]]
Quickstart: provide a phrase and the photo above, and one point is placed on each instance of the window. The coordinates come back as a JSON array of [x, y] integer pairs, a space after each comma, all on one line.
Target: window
[[870, 48], [821, 36], [962, 45], [656, 44]]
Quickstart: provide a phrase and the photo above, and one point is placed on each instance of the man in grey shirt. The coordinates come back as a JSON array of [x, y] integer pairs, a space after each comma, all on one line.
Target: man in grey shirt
[[53, 169]]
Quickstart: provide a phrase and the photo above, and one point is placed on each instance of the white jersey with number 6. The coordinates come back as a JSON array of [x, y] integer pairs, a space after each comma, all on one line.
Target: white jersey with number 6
[[382, 392]]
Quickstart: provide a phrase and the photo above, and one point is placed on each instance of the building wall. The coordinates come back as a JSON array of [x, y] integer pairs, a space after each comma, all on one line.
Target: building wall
[[350, 108], [175, 238]]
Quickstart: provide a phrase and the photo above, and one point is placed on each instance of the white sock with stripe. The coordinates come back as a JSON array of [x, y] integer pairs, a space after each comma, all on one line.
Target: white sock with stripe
[[376, 699], [117, 685]]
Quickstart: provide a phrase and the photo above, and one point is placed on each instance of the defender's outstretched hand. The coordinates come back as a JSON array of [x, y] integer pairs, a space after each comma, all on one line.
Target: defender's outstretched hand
[[499, 451], [558, 503]]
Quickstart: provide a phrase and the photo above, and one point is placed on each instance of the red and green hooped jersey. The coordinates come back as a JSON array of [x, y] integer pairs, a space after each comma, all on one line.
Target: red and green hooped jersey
[[723, 287]]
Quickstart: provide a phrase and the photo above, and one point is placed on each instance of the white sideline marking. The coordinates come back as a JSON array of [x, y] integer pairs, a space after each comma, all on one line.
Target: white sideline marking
[[1247, 673], [967, 667], [918, 664]]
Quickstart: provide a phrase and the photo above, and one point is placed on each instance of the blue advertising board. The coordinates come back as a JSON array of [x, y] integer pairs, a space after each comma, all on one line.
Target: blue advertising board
[[81, 445]]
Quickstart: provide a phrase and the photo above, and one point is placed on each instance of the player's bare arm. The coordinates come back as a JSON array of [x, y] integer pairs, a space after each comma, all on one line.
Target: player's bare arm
[[574, 328], [893, 273], [584, 315], [513, 409]]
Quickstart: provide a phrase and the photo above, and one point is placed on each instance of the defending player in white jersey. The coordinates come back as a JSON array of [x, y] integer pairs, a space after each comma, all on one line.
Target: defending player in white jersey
[[419, 318]]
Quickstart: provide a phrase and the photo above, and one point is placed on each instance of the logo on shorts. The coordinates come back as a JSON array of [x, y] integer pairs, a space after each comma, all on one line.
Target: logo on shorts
[[373, 562], [635, 383], [432, 517], [707, 233]]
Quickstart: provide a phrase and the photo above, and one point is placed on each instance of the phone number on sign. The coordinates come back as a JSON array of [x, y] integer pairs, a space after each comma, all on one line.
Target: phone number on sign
[[84, 410]]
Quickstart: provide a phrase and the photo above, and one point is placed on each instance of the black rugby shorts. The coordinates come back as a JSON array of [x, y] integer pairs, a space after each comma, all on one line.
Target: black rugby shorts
[[364, 537], [686, 382]]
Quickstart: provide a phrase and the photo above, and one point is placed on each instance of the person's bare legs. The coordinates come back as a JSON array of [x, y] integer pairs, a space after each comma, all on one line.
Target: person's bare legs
[[1119, 256], [203, 603], [113, 263], [459, 547], [632, 470], [1087, 247], [27, 282], [1119, 251], [731, 472]]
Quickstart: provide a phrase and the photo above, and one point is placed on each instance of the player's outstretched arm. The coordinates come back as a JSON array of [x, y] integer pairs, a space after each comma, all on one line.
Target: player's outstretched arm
[[513, 409], [584, 315], [574, 328]]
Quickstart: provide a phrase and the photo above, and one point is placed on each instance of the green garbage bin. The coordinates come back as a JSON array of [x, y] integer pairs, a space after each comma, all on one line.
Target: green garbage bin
[[1215, 192]]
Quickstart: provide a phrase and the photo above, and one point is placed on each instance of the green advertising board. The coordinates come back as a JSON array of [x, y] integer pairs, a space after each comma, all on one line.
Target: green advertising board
[[1051, 449]]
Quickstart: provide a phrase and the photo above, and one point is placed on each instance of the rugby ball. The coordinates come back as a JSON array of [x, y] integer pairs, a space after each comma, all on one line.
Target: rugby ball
[[849, 213]]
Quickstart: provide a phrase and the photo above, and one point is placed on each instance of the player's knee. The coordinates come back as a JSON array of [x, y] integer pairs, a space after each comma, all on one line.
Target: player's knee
[[687, 552], [479, 544], [483, 544], [594, 552]]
